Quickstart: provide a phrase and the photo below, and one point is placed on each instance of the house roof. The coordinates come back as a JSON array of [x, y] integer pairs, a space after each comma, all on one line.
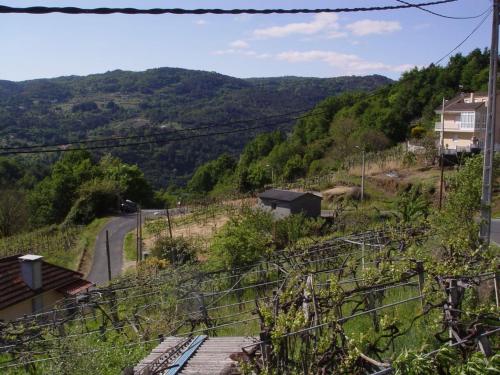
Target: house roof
[[284, 195], [13, 289], [457, 104], [459, 107]]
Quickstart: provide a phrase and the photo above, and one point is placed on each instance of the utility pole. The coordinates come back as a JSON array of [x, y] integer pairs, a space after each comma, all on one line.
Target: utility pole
[[363, 175], [489, 141], [140, 233], [169, 224], [137, 238], [362, 171], [441, 157]]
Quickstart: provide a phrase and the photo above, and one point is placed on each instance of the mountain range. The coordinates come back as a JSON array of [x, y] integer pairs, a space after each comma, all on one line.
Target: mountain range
[[163, 100]]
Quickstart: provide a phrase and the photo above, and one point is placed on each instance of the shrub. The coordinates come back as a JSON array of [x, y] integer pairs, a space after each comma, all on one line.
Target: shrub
[[177, 251], [96, 199]]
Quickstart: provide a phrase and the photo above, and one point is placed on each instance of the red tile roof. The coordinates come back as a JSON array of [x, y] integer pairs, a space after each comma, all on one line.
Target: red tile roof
[[14, 290]]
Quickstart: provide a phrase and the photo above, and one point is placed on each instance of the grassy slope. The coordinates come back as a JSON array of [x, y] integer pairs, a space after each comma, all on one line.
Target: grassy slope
[[69, 247]]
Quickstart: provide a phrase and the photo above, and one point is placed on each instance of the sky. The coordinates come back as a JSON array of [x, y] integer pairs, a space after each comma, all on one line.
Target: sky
[[322, 45]]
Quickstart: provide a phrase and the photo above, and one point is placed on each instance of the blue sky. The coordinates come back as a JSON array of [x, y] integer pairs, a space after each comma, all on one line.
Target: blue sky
[[388, 42]]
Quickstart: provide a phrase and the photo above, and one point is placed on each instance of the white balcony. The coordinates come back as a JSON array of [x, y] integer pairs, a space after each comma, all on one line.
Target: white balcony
[[454, 126]]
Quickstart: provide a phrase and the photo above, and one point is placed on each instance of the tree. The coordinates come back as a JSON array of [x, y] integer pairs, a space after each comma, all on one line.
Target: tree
[[242, 241], [13, 212], [52, 198], [130, 179]]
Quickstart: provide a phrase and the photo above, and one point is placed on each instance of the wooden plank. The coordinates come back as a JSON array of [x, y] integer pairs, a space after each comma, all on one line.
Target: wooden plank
[[182, 360]]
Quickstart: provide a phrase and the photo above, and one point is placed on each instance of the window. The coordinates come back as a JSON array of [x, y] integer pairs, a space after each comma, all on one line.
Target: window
[[467, 120]]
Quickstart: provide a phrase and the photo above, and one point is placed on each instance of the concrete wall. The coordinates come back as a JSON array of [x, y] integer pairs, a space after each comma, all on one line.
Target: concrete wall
[[452, 139], [49, 299]]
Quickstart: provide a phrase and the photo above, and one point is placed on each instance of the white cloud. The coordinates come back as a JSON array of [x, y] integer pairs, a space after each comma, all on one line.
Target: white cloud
[[200, 22], [346, 62], [321, 22], [367, 27], [241, 52], [336, 34], [239, 44]]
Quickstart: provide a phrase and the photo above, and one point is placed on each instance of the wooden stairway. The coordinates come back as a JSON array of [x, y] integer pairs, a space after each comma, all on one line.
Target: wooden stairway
[[201, 355]]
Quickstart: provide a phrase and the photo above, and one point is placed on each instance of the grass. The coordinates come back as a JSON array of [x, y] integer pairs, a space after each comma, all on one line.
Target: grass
[[85, 245], [130, 246], [70, 247]]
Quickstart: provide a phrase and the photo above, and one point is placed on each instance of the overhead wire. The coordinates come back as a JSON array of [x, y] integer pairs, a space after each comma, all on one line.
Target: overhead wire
[[421, 7], [466, 38], [62, 147], [178, 11], [156, 134]]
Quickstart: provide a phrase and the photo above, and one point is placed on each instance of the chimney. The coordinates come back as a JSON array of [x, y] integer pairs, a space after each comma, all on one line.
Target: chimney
[[472, 97], [31, 270]]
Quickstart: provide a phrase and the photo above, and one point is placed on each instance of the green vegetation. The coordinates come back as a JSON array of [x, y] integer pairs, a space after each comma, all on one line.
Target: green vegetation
[[121, 103], [66, 246], [130, 246], [341, 126], [79, 190]]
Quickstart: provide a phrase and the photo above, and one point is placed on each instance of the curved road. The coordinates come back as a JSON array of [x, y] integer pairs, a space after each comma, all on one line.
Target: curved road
[[117, 228]]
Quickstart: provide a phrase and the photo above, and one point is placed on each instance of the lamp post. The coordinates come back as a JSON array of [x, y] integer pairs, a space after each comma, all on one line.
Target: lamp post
[[272, 173], [362, 172]]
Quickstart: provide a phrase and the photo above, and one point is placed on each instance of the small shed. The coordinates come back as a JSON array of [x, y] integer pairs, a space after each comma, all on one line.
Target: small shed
[[282, 203]]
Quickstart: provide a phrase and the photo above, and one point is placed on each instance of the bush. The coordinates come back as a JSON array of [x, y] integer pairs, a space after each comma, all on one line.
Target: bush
[[96, 199], [177, 251], [292, 228], [242, 240]]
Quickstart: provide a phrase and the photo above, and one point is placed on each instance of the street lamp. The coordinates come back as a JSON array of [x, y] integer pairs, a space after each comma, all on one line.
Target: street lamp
[[362, 172], [272, 173]]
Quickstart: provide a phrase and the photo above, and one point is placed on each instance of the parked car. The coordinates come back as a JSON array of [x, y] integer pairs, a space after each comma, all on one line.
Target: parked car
[[128, 206]]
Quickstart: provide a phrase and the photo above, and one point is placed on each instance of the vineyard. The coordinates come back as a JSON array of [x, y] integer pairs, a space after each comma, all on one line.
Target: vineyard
[[374, 302]]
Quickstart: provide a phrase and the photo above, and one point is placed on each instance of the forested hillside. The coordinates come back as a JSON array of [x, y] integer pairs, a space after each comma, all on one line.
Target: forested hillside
[[121, 103], [342, 125]]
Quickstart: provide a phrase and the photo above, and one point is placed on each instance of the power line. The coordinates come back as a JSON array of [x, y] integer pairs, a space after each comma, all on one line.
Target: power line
[[466, 38], [178, 11], [121, 138], [444, 15], [155, 141]]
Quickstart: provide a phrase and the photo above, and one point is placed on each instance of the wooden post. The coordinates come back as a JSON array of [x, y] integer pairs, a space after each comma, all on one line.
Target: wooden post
[[140, 233], [483, 343], [452, 302], [137, 238], [169, 224], [496, 283], [363, 253], [108, 256], [420, 270]]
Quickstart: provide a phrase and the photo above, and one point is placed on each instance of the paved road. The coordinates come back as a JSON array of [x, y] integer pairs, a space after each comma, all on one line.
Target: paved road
[[117, 228], [495, 231]]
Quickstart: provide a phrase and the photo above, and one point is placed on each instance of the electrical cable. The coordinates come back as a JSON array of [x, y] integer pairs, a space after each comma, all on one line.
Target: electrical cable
[[444, 15], [155, 141], [178, 11], [164, 133], [466, 38]]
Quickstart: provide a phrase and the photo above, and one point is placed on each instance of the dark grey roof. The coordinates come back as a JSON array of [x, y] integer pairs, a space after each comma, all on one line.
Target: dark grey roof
[[283, 195], [463, 106], [457, 104]]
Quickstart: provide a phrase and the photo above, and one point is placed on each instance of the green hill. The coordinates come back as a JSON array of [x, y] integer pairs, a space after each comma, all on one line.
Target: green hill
[[339, 126], [121, 103]]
